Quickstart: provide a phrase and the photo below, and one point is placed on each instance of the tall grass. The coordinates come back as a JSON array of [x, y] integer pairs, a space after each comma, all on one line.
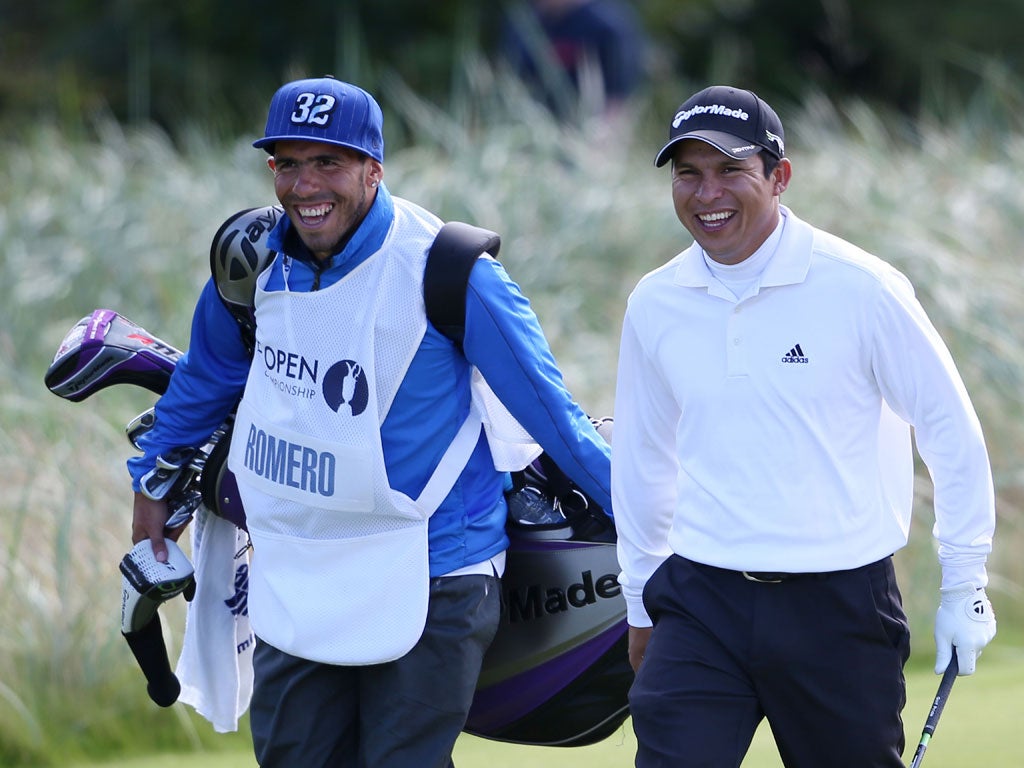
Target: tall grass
[[124, 219]]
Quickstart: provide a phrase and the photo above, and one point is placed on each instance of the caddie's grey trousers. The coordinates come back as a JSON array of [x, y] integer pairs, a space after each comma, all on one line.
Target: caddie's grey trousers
[[402, 714]]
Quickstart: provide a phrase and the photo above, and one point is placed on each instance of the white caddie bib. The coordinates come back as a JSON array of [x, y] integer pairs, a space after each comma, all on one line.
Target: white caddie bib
[[340, 570]]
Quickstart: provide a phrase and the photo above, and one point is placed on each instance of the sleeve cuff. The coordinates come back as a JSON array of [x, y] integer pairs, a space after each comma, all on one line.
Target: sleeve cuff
[[636, 614], [976, 575]]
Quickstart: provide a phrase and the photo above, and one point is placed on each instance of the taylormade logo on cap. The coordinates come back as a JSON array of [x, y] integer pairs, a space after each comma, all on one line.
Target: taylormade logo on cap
[[714, 109]]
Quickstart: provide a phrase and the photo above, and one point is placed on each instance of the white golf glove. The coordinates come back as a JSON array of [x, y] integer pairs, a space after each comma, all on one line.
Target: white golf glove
[[965, 619]]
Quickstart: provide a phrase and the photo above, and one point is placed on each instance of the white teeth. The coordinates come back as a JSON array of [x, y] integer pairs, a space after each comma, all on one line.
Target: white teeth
[[711, 218], [316, 211]]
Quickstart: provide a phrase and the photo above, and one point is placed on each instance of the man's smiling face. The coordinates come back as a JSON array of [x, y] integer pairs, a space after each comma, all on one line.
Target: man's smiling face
[[326, 190], [728, 205]]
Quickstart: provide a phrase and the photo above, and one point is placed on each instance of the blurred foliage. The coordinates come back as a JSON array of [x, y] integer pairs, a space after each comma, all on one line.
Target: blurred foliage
[[122, 217], [213, 62], [125, 220]]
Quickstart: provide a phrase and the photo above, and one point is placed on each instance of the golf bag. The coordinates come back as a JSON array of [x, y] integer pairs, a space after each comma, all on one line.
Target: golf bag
[[557, 673]]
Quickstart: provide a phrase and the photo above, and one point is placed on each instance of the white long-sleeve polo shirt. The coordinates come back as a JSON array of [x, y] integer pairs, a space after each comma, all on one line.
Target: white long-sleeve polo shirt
[[772, 433]]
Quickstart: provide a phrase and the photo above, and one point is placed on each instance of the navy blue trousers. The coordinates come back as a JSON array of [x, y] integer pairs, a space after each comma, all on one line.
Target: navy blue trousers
[[403, 714], [820, 656]]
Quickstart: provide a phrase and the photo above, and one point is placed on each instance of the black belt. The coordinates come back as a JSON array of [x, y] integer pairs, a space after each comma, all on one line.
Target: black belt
[[777, 577]]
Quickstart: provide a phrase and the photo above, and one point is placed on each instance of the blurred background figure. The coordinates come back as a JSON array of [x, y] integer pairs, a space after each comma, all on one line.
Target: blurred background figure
[[576, 54]]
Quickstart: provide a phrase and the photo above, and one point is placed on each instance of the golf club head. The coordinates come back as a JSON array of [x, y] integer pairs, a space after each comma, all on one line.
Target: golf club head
[[239, 252], [139, 426], [105, 348]]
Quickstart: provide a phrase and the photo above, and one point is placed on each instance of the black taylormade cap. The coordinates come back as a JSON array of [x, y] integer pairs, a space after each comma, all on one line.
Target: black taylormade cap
[[738, 123]]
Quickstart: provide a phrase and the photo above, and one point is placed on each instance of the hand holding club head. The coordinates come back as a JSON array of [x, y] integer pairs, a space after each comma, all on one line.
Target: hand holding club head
[[146, 584]]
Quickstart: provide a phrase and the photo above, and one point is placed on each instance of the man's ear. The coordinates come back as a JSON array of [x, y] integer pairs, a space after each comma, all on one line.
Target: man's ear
[[271, 164], [375, 175], [781, 175]]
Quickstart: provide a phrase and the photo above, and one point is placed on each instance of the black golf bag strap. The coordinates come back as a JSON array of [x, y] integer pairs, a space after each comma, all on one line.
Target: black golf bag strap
[[446, 276]]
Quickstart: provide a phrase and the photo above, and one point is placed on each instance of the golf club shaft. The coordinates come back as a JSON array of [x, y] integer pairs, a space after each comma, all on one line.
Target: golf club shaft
[[945, 686]]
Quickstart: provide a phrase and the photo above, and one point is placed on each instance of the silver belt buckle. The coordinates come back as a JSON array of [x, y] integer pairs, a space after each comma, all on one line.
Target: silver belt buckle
[[751, 577]]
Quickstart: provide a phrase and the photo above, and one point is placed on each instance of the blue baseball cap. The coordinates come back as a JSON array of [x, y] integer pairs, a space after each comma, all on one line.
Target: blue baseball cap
[[327, 110]]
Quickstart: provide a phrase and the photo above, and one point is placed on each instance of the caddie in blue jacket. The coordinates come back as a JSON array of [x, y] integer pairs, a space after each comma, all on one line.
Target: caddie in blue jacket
[[373, 493]]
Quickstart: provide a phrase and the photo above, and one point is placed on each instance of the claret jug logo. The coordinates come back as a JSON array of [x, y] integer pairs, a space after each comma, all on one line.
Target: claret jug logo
[[344, 385], [345, 388]]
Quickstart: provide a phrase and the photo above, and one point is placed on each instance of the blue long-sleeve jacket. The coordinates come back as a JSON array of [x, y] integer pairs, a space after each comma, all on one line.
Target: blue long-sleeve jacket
[[502, 338]]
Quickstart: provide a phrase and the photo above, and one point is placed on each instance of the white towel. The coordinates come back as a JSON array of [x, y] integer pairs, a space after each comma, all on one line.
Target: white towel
[[512, 447], [215, 666]]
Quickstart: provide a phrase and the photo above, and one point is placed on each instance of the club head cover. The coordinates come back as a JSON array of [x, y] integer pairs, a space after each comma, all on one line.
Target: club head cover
[[148, 648], [146, 582], [105, 348]]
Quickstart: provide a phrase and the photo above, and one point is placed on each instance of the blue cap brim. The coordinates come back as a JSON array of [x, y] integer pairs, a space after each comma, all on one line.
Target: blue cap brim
[[267, 143]]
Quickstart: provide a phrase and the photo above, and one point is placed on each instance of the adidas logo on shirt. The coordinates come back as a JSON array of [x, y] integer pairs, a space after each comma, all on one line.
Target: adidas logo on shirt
[[795, 355]]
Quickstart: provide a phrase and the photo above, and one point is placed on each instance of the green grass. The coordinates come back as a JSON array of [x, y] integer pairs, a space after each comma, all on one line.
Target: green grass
[[124, 219], [962, 739], [978, 727]]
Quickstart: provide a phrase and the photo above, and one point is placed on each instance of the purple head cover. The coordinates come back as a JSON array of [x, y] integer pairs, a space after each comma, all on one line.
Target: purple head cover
[[105, 348]]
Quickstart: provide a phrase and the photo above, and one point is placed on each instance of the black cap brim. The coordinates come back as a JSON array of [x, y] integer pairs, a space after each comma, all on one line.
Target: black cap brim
[[725, 143]]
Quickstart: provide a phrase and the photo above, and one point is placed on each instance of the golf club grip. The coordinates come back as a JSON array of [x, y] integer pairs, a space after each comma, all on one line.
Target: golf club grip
[[147, 645], [945, 686], [939, 703]]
